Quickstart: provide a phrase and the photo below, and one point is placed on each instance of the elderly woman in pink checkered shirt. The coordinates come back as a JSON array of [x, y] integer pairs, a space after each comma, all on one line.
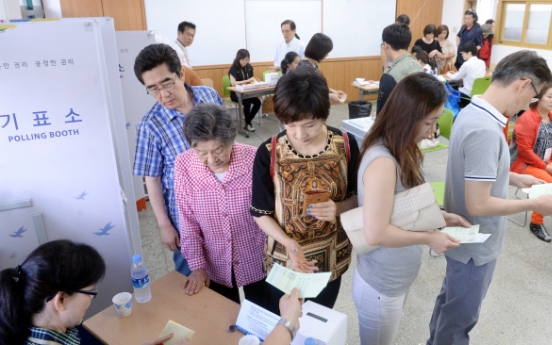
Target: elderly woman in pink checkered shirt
[[219, 238]]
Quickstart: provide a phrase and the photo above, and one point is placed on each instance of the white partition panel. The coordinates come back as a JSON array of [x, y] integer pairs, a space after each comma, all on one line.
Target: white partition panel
[[57, 147], [355, 26]]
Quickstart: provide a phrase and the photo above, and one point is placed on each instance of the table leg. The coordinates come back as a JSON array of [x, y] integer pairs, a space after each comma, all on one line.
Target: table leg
[[240, 116], [360, 95]]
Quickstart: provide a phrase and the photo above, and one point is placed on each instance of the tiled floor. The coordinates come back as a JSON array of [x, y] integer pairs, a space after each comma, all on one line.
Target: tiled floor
[[518, 307]]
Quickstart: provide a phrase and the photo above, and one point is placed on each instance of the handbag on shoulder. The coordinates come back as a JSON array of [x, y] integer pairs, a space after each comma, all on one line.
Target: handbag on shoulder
[[414, 209], [448, 67]]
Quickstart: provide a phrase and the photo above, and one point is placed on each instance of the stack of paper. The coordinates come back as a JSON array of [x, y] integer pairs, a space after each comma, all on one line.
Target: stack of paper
[[178, 330], [466, 235], [540, 189], [254, 86]]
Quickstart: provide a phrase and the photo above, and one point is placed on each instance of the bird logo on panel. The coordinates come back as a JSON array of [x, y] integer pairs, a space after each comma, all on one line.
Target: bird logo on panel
[[104, 230], [18, 233], [81, 196], [127, 125]]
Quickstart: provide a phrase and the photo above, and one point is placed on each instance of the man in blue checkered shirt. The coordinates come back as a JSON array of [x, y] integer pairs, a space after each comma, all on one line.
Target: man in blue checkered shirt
[[160, 135]]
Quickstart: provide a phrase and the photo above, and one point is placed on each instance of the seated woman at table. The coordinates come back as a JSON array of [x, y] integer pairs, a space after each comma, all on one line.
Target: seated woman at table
[[531, 148], [44, 299], [317, 50], [308, 157], [212, 182], [391, 163], [241, 72], [289, 63]]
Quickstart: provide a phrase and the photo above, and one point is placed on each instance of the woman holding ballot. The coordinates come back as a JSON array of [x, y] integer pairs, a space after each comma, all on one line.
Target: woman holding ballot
[[391, 163], [531, 148], [212, 183], [303, 179]]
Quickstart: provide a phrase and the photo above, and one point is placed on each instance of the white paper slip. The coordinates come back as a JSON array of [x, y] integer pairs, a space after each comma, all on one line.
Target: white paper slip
[[255, 320], [466, 235], [308, 284], [178, 330], [540, 189]]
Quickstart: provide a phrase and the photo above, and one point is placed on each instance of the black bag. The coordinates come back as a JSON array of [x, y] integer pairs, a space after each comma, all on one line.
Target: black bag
[[359, 109]]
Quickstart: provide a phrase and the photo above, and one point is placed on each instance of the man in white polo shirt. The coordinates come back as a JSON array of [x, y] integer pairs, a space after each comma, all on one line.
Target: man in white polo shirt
[[290, 43], [478, 175], [471, 69], [184, 39]]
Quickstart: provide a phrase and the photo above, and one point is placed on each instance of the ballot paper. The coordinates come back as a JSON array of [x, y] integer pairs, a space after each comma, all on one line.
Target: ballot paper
[[466, 235], [256, 320], [540, 189], [308, 284], [178, 330]]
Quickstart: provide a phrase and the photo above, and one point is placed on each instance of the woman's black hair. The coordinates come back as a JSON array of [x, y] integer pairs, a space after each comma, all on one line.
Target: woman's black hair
[[319, 47], [56, 266], [473, 14], [288, 59], [241, 54]]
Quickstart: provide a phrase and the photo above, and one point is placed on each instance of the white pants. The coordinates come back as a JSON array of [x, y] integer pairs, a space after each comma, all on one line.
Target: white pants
[[378, 315]]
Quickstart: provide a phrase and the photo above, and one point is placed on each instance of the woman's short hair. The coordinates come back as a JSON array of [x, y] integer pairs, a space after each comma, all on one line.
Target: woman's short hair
[[429, 29], [53, 267], [288, 59], [155, 55], [241, 54], [318, 47], [543, 91], [440, 29], [411, 101], [208, 121], [423, 56], [301, 95]]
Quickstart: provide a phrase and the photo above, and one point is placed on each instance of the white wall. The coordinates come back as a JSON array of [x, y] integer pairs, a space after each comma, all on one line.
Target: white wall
[[52, 8], [453, 14]]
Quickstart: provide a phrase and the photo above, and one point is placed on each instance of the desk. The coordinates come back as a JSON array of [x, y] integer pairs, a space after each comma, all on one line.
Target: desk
[[248, 94], [369, 89], [207, 313]]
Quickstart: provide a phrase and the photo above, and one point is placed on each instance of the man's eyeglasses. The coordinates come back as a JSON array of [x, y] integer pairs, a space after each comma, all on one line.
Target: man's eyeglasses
[[534, 99], [167, 86]]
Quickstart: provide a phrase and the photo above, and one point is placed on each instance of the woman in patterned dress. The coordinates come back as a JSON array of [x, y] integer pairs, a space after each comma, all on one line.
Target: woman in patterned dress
[[307, 157]]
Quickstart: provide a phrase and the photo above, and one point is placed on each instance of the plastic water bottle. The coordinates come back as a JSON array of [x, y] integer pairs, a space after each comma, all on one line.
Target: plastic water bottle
[[140, 279], [310, 341]]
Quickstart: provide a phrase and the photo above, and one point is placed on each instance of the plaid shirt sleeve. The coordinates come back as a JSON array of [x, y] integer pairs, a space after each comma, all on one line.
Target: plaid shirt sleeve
[[148, 160], [191, 239], [205, 94]]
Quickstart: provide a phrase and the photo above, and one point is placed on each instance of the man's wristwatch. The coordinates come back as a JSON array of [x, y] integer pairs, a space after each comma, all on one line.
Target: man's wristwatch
[[287, 324]]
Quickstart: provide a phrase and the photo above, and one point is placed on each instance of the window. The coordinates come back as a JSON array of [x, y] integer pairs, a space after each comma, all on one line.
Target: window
[[525, 23]]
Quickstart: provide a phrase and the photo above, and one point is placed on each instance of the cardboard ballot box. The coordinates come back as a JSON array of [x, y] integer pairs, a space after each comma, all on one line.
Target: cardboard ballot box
[[324, 324]]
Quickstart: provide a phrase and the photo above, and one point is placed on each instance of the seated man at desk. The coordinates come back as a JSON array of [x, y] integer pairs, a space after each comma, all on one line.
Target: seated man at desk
[[396, 39], [471, 69]]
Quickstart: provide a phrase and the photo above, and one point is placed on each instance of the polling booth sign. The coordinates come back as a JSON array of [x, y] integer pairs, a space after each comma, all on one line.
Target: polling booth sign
[[60, 176]]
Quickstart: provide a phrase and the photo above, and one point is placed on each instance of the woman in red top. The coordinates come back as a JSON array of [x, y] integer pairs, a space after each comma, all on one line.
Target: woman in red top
[[487, 44], [531, 148]]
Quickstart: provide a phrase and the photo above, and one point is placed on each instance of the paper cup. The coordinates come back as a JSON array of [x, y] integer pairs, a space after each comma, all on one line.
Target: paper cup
[[123, 303], [249, 340]]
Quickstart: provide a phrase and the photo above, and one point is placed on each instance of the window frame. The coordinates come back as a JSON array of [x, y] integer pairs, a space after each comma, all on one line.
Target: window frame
[[501, 16]]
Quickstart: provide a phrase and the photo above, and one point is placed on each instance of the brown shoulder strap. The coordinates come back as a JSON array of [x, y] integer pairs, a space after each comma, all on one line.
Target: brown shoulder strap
[[346, 144]]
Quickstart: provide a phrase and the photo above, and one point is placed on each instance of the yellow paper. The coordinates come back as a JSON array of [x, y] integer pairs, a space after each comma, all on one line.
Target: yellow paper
[[178, 330]]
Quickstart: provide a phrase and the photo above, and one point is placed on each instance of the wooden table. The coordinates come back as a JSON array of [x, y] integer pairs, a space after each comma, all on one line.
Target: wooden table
[[369, 89], [207, 313], [248, 94]]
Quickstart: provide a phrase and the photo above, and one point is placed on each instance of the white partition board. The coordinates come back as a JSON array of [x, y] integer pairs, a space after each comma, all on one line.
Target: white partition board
[[220, 26], [57, 147], [264, 17], [135, 98], [355, 26]]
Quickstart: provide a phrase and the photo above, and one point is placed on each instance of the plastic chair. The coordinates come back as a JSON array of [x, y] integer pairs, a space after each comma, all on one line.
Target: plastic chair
[[480, 85], [439, 191], [519, 197], [445, 127]]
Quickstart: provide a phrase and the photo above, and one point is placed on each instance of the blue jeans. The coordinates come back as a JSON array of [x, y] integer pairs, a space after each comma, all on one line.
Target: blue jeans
[[180, 263]]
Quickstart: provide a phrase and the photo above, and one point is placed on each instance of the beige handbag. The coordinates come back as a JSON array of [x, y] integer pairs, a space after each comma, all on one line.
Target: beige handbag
[[414, 209]]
